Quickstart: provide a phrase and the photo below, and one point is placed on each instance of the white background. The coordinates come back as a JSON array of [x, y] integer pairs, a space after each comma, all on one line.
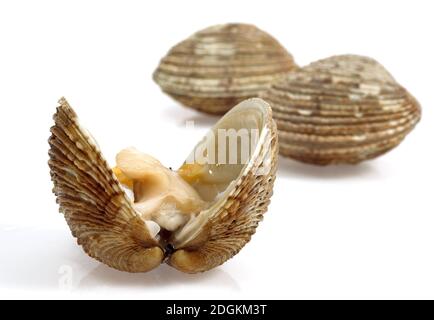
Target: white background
[[363, 231]]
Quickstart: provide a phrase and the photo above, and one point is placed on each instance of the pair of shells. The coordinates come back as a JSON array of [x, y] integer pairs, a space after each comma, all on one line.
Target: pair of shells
[[102, 217], [343, 109]]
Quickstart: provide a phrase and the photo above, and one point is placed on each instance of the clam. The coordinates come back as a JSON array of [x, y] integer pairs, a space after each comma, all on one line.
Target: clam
[[139, 214], [218, 67], [343, 109]]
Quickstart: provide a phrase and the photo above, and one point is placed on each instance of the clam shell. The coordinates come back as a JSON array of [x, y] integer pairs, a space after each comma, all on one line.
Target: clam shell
[[95, 207], [230, 224], [220, 66], [343, 109], [102, 218]]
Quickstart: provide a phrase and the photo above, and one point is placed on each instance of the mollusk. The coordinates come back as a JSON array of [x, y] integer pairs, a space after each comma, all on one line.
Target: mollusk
[[343, 109], [220, 66], [194, 218]]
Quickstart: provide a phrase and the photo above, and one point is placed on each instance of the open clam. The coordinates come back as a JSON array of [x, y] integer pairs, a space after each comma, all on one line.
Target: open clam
[[140, 214], [220, 66], [343, 109]]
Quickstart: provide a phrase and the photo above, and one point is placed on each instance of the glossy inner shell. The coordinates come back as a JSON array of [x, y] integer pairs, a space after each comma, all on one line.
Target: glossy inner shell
[[177, 204]]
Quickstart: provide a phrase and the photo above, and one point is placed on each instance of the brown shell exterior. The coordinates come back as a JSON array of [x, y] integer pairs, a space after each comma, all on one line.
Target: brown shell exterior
[[94, 205], [343, 109], [220, 66], [233, 225]]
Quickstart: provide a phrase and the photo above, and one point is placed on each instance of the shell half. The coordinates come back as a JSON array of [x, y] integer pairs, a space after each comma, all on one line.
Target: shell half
[[95, 207], [343, 109], [102, 218], [220, 66]]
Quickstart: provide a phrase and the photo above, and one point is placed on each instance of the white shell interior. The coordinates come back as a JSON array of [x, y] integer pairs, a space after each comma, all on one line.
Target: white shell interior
[[248, 117]]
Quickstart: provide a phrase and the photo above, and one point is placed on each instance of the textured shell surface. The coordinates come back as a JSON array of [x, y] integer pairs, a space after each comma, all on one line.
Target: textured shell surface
[[220, 66], [103, 219], [343, 109]]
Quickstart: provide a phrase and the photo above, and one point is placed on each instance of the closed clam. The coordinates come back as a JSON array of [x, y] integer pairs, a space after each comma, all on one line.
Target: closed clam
[[220, 66], [139, 214], [343, 109]]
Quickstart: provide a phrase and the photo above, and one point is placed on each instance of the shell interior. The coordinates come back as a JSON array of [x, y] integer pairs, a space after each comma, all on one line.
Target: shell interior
[[238, 133]]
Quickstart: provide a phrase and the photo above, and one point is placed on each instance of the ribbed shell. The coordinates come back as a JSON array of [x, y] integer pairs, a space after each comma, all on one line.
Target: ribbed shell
[[343, 109], [233, 224], [95, 207], [102, 219], [220, 66]]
